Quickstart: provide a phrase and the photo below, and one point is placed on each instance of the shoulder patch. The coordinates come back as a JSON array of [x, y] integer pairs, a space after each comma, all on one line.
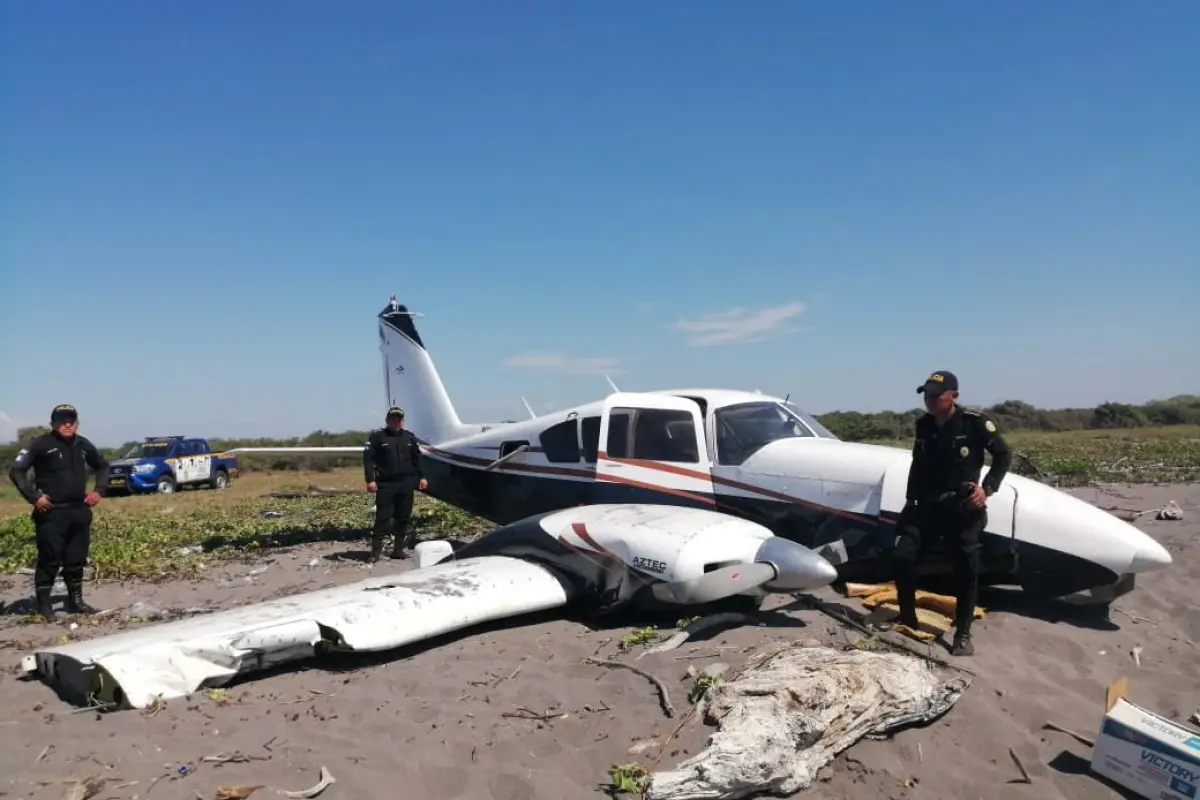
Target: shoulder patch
[[23, 458], [989, 426]]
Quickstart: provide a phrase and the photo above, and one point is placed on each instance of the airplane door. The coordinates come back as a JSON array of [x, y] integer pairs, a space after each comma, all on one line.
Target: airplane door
[[654, 444]]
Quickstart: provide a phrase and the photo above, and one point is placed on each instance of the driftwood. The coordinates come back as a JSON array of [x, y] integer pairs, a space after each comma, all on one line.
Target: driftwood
[[792, 711]]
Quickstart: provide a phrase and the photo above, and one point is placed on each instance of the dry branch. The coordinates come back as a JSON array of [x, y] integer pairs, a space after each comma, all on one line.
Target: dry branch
[[663, 694]]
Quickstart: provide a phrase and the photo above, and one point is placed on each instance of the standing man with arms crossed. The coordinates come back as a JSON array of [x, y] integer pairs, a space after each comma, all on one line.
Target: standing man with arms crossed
[[946, 501], [62, 506], [392, 468]]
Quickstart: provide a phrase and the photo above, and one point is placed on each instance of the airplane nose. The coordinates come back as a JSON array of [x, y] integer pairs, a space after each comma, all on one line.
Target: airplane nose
[[1150, 556], [797, 568]]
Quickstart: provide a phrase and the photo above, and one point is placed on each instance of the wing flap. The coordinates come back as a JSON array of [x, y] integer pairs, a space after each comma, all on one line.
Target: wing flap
[[175, 659]]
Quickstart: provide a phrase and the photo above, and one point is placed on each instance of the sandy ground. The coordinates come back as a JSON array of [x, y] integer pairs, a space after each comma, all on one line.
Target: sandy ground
[[434, 723]]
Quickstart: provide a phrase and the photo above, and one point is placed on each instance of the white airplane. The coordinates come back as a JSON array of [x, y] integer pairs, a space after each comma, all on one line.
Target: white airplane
[[598, 558], [744, 454]]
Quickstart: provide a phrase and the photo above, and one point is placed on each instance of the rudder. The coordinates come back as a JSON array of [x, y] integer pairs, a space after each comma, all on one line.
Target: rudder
[[411, 380]]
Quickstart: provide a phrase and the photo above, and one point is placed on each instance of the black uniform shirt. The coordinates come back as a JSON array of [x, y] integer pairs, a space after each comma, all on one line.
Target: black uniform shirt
[[391, 456], [60, 468], [945, 457]]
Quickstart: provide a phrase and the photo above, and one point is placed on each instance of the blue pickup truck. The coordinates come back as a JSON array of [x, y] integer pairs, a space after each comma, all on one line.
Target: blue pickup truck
[[167, 463]]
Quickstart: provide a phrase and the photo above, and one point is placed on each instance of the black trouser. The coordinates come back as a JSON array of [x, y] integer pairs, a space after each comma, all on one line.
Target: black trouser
[[958, 529], [393, 510], [64, 535]]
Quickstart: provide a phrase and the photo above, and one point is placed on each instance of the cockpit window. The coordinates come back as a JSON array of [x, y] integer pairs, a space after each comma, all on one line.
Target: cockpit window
[[745, 428], [811, 421]]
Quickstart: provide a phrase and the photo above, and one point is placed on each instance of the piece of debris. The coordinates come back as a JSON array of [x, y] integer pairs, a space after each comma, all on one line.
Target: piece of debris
[[1050, 726], [1024, 772], [1137, 655], [1171, 511], [236, 792], [86, 788], [142, 610], [699, 626], [791, 711], [236, 757], [549, 715], [324, 783]]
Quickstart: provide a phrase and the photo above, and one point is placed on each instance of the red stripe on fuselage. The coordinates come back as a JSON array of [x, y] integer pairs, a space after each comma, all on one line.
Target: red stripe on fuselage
[[671, 469]]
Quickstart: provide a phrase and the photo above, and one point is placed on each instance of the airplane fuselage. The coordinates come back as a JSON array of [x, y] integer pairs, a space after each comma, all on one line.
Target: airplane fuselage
[[742, 454]]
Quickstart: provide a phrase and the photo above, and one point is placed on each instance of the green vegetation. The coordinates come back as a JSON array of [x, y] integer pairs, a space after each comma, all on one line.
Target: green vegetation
[[701, 685], [168, 536], [632, 778], [1077, 458]]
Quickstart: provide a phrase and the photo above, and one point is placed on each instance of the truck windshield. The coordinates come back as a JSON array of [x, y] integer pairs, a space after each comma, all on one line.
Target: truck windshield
[[149, 450], [745, 428]]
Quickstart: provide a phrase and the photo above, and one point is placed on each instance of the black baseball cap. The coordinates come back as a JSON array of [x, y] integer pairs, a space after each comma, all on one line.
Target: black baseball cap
[[64, 413], [939, 381], [395, 411]]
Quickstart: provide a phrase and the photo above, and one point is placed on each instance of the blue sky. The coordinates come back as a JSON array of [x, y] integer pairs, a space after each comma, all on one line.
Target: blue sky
[[206, 203]]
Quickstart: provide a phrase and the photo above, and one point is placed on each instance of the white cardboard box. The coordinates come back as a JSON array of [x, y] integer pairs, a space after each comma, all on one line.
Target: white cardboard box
[[1146, 753]]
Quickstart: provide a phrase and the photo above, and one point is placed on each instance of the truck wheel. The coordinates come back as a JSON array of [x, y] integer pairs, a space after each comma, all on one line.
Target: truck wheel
[[220, 480], [166, 485]]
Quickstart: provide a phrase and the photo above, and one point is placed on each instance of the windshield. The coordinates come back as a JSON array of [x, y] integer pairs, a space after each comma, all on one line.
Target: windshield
[[811, 421], [149, 450], [745, 428]]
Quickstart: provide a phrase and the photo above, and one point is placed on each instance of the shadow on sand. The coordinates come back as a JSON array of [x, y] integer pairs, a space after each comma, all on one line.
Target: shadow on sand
[[1068, 763]]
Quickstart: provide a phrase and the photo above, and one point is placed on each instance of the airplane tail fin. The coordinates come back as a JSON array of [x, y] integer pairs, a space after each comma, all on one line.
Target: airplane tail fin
[[412, 381]]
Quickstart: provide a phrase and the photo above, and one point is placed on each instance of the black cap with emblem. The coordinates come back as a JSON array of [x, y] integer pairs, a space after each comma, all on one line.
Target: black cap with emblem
[[939, 381], [63, 413], [395, 411]]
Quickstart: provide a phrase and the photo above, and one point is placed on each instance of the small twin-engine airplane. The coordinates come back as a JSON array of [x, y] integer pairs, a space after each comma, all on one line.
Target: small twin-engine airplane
[[744, 454], [596, 558]]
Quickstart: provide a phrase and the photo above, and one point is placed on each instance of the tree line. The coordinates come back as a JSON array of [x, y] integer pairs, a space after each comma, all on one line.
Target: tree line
[[851, 426]]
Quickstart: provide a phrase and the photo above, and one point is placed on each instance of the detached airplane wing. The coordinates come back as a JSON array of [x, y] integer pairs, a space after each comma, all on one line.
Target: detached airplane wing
[[178, 658]]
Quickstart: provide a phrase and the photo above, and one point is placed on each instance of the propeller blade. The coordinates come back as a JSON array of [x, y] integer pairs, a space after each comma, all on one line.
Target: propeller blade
[[715, 585]]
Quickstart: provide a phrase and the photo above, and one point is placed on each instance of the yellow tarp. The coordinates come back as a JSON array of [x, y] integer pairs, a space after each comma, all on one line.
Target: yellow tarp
[[934, 611]]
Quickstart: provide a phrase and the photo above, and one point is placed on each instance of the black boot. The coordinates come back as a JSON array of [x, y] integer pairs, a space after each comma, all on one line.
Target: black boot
[[908, 610], [75, 604], [962, 644], [44, 605], [376, 550], [403, 541]]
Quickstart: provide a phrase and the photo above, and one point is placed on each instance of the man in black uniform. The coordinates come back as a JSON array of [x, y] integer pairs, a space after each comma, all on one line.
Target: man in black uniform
[[62, 513], [946, 501], [392, 467]]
